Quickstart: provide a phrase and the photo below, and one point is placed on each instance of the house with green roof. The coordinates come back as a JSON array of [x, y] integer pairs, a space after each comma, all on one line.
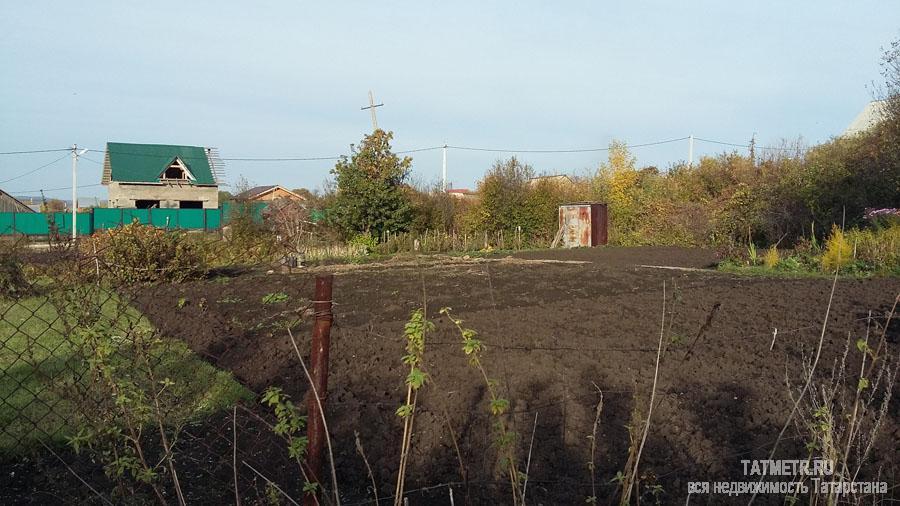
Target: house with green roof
[[146, 176]]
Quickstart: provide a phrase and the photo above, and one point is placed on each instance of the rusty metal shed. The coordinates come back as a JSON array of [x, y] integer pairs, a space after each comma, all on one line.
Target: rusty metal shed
[[583, 224]]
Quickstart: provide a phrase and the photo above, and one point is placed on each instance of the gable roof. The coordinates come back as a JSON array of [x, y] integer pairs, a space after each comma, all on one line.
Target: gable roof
[[871, 114], [10, 204], [145, 163], [258, 191], [552, 178]]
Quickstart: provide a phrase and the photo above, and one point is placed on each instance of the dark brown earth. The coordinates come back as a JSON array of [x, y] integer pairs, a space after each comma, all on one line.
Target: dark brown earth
[[556, 332]]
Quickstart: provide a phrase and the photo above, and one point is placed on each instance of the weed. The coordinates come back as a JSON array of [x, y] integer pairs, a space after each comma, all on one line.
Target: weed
[[289, 422], [752, 254], [230, 300], [593, 438], [843, 413], [771, 258], [504, 438], [182, 302], [273, 495], [414, 331], [275, 298]]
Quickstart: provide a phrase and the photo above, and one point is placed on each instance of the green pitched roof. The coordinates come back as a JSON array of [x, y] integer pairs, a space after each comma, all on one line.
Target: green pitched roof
[[144, 163]]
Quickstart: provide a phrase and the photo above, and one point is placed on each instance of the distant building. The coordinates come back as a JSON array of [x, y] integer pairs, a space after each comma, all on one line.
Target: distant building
[[147, 176], [870, 116], [10, 204], [462, 193], [267, 193], [560, 180]]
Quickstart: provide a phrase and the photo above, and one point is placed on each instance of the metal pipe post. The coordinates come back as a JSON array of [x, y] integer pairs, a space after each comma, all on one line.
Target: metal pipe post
[[321, 342]]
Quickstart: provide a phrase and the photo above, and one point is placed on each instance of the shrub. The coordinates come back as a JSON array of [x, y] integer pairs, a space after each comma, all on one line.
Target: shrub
[[878, 247], [790, 264], [141, 253], [364, 242], [838, 251], [13, 283], [290, 221]]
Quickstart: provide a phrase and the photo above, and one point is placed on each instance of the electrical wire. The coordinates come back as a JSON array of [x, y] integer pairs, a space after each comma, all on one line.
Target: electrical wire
[[29, 152], [82, 157], [24, 192], [420, 150], [746, 146], [283, 159], [433, 148], [32, 171], [579, 150]]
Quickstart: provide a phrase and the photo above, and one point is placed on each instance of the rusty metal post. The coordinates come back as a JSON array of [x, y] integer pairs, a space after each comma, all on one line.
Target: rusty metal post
[[321, 342]]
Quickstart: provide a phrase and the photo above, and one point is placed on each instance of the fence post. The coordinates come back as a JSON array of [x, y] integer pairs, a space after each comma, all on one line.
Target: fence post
[[321, 342]]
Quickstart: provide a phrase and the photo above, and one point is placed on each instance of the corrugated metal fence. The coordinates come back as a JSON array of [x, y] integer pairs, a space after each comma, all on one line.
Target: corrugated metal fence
[[102, 219]]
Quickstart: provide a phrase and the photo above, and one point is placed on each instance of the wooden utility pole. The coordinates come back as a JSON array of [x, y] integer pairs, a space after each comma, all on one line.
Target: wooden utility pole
[[444, 169], [753, 150], [691, 151], [371, 107]]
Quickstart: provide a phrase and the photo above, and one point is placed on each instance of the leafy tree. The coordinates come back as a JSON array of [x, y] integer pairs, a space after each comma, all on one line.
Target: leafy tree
[[371, 192], [504, 197]]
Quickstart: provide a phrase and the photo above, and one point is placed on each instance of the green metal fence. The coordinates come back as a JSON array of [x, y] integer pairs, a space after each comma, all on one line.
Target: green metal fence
[[102, 219]]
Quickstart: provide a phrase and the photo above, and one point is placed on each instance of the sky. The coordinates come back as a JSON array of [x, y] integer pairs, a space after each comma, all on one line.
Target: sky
[[287, 79]]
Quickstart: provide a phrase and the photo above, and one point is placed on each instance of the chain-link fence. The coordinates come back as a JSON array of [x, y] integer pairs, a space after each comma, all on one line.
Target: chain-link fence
[[97, 405]]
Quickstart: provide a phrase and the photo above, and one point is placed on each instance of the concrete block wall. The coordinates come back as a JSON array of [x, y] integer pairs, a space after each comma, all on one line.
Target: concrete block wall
[[169, 195]]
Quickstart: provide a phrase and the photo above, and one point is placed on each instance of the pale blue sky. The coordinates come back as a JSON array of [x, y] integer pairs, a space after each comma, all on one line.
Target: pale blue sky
[[288, 79]]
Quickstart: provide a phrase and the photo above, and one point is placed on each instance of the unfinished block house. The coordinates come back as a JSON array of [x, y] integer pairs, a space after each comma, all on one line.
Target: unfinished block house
[[146, 176]]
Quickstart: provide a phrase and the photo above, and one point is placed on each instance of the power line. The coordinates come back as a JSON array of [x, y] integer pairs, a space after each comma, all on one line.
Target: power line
[[434, 148], [90, 160], [23, 192], [283, 159], [420, 150], [746, 146], [578, 150], [32, 171], [29, 152]]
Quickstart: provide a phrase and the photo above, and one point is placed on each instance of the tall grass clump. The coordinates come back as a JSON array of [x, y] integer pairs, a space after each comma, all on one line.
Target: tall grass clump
[[771, 258], [877, 247]]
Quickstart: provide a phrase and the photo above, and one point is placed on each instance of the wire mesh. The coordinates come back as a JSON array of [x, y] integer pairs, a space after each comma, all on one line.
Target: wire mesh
[[89, 386]]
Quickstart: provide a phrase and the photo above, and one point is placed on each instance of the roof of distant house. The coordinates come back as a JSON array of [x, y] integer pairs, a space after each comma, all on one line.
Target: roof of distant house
[[10, 204], [553, 178], [145, 163], [258, 191], [871, 114], [462, 191]]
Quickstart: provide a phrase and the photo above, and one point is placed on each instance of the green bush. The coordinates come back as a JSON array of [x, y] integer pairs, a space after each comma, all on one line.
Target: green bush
[[364, 242], [142, 253]]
